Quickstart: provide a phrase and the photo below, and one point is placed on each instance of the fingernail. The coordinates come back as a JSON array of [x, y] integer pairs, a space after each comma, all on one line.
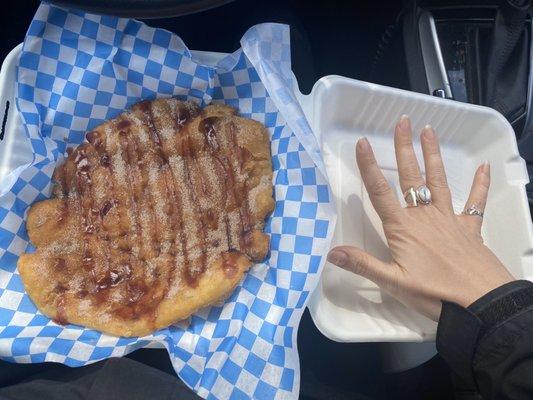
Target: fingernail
[[485, 167], [338, 257], [428, 132], [404, 121], [363, 144]]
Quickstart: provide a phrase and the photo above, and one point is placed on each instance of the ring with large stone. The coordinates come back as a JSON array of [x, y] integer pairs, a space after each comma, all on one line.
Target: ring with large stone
[[420, 195], [423, 194]]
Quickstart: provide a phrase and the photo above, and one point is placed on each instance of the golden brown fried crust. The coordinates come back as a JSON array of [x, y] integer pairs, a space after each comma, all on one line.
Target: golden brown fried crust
[[159, 214]]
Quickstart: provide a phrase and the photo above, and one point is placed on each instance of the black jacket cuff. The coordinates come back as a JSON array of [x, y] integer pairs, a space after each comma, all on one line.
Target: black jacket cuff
[[460, 329]]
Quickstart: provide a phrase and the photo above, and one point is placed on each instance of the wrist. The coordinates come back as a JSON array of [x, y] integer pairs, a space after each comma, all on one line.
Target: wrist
[[480, 291]]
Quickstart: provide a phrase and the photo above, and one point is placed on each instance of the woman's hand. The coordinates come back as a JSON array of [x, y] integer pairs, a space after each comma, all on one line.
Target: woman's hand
[[436, 255]]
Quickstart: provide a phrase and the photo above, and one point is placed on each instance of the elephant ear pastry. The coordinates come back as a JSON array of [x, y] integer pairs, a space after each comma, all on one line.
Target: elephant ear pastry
[[160, 213]]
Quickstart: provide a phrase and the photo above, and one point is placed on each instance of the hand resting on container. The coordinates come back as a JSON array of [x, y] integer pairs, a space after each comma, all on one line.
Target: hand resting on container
[[436, 255]]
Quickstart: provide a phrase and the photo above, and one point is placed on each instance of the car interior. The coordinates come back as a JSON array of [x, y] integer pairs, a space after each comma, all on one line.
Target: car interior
[[470, 51]]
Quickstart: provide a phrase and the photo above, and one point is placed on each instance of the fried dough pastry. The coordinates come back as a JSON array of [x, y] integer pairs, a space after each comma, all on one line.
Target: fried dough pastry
[[158, 214]]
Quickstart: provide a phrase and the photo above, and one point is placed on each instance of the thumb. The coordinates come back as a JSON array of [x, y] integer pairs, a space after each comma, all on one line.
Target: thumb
[[362, 263]]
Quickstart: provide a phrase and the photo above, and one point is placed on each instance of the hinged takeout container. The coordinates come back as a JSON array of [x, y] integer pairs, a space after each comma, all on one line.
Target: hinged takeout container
[[340, 110], [346, 307]]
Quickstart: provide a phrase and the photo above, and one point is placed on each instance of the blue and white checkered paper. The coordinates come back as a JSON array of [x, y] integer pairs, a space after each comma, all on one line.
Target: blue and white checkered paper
[[77, 70]]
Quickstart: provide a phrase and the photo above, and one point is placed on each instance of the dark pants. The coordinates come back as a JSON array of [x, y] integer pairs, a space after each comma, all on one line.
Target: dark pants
[[112, 379]]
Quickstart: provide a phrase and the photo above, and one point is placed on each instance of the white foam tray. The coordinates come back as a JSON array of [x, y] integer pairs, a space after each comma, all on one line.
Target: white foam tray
[[14, 146], [346, 307], [349, 308]]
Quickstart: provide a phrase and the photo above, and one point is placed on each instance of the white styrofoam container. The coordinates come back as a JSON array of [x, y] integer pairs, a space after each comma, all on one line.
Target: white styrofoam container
[[349, 308], [346, 307], [14, 146]]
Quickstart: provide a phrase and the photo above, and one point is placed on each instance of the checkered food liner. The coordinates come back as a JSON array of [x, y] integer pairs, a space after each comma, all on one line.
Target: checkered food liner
[[77, 70]]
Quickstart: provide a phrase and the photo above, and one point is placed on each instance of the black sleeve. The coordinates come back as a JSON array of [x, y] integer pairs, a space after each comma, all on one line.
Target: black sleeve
[[490, 343]]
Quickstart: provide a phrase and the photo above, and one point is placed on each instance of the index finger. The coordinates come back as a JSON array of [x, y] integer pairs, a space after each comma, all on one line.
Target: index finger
[[381, 194]]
